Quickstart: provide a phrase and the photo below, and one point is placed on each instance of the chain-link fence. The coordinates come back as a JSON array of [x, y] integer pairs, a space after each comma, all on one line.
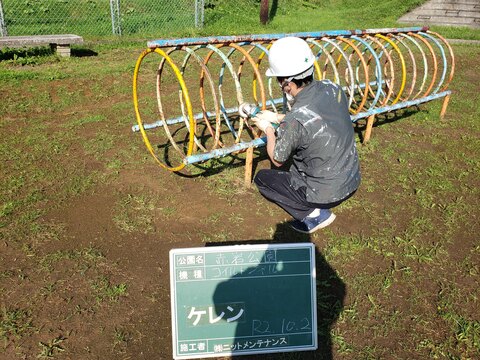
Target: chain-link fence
[[98, 17]]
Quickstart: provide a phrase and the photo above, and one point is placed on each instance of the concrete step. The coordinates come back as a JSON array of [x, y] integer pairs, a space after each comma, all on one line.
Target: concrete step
[[446, 12], [455, 2], [455, 7]]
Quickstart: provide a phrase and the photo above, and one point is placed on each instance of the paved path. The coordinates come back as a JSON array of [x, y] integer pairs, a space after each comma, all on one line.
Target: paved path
[[464, 41], [445, 12]]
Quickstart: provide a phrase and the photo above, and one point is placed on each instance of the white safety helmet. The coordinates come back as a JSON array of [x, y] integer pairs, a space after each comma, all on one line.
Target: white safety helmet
[[290, 57]]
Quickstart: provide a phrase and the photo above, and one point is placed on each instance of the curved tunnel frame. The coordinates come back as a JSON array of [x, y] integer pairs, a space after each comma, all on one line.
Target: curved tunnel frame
[[380, 70]]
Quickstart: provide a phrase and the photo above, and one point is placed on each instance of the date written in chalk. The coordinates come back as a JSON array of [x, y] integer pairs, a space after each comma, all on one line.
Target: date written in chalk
[[286, 326]]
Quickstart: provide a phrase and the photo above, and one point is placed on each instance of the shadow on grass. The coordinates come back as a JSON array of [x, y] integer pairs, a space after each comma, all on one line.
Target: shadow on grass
[[40, 51], [386, 118], [167, 153], [82, 52], [273, 10], [330, 291], [15, 53]]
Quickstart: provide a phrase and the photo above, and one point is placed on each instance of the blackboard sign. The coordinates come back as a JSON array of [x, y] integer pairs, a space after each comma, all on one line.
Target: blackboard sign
[[243, 299]]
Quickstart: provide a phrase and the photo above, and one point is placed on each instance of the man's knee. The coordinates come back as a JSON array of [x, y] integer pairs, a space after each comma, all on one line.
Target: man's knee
[[261, 177]]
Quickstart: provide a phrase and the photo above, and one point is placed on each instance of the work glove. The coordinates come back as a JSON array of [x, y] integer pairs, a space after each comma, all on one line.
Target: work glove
[[262, 124], [267, 115]]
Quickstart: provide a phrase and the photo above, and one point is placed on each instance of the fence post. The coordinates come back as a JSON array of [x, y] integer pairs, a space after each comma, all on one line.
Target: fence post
[[116, 17], [199, 13], [3, 27]]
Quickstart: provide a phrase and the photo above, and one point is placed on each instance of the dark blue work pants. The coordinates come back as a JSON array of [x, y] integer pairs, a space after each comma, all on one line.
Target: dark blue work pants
[[276, 186]]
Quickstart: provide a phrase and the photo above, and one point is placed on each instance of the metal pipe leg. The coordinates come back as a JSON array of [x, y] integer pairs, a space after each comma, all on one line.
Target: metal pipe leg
[[248, 167], [444, 106], [368, 131]]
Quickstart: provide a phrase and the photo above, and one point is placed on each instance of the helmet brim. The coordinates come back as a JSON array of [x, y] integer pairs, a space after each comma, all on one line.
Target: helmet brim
[[308, 72]]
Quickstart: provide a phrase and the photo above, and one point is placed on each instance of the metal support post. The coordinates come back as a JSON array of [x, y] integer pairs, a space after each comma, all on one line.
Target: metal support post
[[3, 27], [199, 13], [116, 17]]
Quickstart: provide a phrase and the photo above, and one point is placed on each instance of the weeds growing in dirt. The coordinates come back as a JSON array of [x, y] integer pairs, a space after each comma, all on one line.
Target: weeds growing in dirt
[[104, 290], [51, 348], [14, 324]]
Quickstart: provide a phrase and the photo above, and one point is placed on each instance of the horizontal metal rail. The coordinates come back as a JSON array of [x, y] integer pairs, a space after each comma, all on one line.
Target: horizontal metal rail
[[211, 115], [260, 142], [271, 37]]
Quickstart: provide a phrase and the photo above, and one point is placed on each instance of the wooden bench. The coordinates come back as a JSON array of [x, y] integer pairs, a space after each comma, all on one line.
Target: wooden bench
[[59, 43]]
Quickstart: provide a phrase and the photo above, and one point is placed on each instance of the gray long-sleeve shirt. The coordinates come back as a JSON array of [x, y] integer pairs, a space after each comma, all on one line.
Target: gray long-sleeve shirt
[[319, 133]]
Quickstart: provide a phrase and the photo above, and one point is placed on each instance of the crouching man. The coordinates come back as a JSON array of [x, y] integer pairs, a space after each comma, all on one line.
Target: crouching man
[[317, 134]]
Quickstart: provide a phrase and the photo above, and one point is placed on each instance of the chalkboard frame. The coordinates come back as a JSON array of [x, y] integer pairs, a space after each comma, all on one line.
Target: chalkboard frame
[[235, 249]]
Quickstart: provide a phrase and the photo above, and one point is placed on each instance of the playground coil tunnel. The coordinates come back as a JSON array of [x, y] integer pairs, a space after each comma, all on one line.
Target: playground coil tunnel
[[190, 91]]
